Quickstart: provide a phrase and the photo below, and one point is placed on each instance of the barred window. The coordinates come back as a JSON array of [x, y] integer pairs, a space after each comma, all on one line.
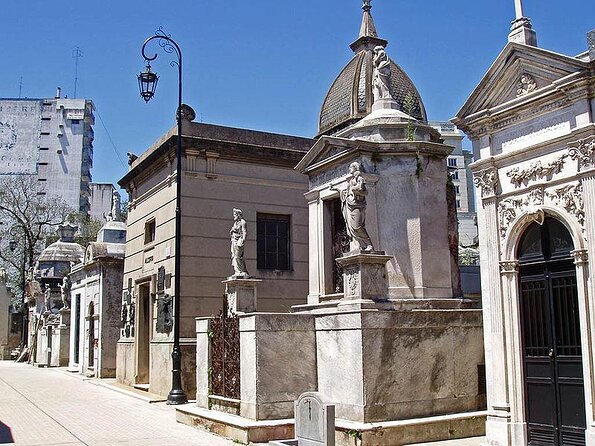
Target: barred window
[[272, 242]]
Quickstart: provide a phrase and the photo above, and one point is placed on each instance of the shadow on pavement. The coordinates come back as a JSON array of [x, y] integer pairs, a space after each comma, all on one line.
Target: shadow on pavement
[[5, 434]]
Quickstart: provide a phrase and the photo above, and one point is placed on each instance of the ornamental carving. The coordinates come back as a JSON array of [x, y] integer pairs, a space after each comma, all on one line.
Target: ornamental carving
[[351, 282], [507, 211], [525, 85], [509, 208], [487, 181], [582, 151], [536, 171], [374, 280], [570, 197], [165, 321]]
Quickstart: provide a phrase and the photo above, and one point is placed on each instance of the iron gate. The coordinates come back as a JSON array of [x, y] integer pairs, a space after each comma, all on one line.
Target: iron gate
[[225, 359], [555, 403]]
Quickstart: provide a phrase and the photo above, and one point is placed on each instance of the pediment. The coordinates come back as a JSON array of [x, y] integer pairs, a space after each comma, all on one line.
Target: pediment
[[518, 71], [326, 148]]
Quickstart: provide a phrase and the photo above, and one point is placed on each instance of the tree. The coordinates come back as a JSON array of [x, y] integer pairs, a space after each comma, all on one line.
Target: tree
[[27, 217]]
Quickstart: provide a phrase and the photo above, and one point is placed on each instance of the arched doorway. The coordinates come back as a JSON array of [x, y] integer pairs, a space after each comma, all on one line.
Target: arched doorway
[[554, 394]]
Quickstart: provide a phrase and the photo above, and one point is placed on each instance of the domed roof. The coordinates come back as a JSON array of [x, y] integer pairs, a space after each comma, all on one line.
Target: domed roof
[[64, 250], [350, 97]]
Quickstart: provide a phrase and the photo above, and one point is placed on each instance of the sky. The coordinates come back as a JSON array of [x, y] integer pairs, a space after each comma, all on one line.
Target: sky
[[263, 65]]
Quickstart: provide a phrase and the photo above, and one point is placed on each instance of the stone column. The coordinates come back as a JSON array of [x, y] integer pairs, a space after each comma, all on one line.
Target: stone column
[[587, 269], [513, 361], [581, 260], [493, 320], [316, 260], [241, 294], [203, 361]]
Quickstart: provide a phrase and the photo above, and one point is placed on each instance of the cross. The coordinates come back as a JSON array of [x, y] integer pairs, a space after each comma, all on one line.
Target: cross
[[367, 5], [518, 6]]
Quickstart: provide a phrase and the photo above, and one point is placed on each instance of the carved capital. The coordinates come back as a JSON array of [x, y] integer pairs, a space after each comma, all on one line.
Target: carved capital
[[581, 256], [583, 151], [487, 181], [508, 267]]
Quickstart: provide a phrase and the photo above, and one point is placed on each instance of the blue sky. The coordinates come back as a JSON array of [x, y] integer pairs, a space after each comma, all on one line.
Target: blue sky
[[263, 65]]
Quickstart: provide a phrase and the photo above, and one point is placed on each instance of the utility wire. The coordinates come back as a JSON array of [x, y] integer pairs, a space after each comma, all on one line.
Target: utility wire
[[116, 151]]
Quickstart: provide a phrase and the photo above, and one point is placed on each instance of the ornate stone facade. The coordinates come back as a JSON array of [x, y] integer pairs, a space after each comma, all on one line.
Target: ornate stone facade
[[542, 139]]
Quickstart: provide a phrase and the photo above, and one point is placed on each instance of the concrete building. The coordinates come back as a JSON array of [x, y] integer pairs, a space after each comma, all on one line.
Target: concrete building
[[96, 303], [52, 139], [223, 168], [532, 126], [101, 200], [458, 163]]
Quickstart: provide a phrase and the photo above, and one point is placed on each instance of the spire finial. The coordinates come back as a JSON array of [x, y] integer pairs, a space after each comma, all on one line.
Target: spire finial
[[368, 37], [521, 30], [368, 28], [518, 7]]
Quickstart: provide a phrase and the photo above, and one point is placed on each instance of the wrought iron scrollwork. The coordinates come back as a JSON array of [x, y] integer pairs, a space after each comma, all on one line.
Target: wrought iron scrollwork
[[225, 345]]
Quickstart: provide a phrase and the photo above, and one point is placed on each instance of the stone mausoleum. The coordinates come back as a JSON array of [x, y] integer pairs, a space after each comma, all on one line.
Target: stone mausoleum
[[532, 126], [384, 335], [48, 294], [95, 300], [223, 168]]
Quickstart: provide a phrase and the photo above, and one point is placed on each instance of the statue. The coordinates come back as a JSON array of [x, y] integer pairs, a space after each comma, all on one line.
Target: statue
[[65, 291], [381, 80], [353, 208], [47, 292], [238, 240]]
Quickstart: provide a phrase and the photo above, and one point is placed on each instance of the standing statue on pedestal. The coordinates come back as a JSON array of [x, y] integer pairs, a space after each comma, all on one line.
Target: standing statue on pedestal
[[238, 240], [381, 80], [353, 207], [65, 292]]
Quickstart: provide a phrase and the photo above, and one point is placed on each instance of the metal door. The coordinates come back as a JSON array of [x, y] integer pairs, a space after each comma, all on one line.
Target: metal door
[[554, 395]]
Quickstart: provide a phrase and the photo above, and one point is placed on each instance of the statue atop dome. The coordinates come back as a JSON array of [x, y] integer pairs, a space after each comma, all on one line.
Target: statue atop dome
[[381, 79]]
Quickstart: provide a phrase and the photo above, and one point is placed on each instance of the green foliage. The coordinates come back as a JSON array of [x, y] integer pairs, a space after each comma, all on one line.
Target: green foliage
[[27, 218], [409, 107], [356, 434], [468, 256], [88, 228]]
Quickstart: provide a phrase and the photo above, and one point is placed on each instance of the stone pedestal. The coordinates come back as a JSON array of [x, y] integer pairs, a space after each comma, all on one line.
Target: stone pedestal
[[385, 104], [365, 282], [64, 317], [241, 294], [400, 365]]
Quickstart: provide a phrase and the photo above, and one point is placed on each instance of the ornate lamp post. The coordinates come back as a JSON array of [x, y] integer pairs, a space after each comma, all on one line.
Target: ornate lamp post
[[147, 82]]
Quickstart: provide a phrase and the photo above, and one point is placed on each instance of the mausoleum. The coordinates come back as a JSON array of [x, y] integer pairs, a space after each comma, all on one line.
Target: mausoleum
[[95, 300], [384, 336], [531, 123]]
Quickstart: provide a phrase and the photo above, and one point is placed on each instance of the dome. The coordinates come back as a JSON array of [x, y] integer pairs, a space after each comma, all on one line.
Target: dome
[[55, 260], [350, 97]]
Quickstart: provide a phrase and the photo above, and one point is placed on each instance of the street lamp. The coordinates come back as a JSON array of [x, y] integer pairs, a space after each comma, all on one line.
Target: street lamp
[[147, 82]]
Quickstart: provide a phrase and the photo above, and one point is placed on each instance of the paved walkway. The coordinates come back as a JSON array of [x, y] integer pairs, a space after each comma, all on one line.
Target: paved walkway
[[52, 407]]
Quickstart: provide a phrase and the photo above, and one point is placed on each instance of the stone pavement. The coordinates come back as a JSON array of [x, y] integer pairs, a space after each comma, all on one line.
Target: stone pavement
[[52, 407]]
